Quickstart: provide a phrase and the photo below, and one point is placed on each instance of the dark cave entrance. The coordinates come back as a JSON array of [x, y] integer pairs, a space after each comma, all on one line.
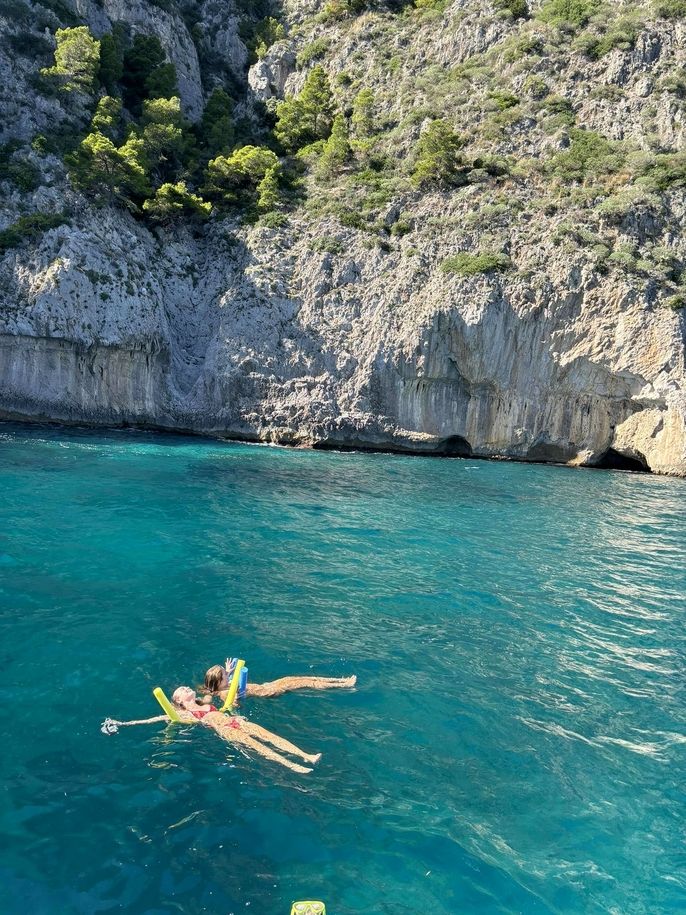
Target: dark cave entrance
[[455, 446], [614, 460]]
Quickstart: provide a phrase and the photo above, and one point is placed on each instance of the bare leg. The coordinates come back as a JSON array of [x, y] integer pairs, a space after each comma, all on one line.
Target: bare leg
[[263, 734], [238, 735], [288, 684]]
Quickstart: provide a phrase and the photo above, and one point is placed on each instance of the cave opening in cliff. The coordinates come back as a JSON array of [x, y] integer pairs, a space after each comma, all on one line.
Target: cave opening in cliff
[[615, 460], [456, 446]]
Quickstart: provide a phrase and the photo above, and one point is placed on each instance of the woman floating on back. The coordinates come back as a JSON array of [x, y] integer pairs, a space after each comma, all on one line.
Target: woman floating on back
[[218, 678], [232, 728]]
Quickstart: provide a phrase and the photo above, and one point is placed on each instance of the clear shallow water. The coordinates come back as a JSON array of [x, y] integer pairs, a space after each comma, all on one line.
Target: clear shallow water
[[517, 740]]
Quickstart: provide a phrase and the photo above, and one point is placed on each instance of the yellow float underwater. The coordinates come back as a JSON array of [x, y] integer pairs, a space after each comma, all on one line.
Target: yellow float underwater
[[309, 907]]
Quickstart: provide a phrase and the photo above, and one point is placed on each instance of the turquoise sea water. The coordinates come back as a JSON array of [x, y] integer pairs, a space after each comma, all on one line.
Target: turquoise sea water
[[517, 740]]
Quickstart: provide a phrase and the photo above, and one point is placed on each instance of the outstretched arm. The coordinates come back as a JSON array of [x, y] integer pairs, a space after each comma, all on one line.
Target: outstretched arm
[[123, 724]]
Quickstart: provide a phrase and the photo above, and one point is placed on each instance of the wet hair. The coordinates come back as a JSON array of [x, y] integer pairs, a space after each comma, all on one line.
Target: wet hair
[[176, 699], [214, 678]]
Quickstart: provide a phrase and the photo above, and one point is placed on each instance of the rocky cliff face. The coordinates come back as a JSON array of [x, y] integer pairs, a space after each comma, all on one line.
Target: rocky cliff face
[[334, 332]]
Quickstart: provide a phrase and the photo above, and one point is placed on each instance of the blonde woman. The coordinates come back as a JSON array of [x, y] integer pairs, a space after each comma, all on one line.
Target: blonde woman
[[234, 729], [218, 678]]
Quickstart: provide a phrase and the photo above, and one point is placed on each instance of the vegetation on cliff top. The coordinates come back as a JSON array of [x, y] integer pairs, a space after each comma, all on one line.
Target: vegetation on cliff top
[[370, 132]]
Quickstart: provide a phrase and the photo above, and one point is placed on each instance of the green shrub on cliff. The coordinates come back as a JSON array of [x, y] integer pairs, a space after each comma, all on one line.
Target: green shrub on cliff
[[465, 264], [363, 119], [589, 155], [166, 141], [20, 172], [112, 58], [518, 9], [670, 9], [568, 13], [337, 151], [268, 193], [676, 302], [664, 171], [108, 117], [216, 131], [29, 228], [312, 51], [267, 33]]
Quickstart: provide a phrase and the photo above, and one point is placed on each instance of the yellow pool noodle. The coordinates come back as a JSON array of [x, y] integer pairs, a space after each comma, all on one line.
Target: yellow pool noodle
[[309, 907], [168, 708], [233, 689]]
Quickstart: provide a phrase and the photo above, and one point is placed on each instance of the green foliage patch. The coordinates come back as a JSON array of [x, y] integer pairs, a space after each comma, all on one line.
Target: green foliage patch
[[77, 60], [147, 74], [589, 155], [465, 264], [670, 9], [173, 202], [664, 172], [312, 51], [438, 159], [239, 179], [518, 9], [20, 172], [307, 117], [571, 14], [29, 228]]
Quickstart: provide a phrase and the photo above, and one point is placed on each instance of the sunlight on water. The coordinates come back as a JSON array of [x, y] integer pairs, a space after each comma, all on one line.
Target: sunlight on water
[[517, 740]]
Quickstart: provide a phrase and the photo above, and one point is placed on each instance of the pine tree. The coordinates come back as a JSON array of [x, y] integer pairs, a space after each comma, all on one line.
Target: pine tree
[[161, 83], [363, 113], [318, 103], [174, 201], [107, 118], [99, 168], [165, 138], [232, 179], [292, 129], [267, 32], [112, 58], [141, 60], [268, 190], [77, 60], [438, 160], [307, 117], [337, 149], [216, 126]]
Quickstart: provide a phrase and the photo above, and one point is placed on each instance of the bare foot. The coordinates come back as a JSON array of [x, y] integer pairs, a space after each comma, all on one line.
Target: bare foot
[[315, 758], [296, 768], [349, 681]]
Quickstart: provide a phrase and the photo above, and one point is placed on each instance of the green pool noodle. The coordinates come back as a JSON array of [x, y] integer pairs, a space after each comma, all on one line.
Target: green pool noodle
[[233, 689], [168, 708]]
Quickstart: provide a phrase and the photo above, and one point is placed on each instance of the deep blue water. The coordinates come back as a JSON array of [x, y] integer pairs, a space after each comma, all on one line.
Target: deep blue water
[[517, 740]]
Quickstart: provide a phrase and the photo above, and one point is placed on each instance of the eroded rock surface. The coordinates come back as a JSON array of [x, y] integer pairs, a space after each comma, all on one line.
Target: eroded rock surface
[[330, 336]]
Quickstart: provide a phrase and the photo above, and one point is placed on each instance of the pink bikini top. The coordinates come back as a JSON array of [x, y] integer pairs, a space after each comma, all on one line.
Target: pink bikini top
[[202, 712]]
